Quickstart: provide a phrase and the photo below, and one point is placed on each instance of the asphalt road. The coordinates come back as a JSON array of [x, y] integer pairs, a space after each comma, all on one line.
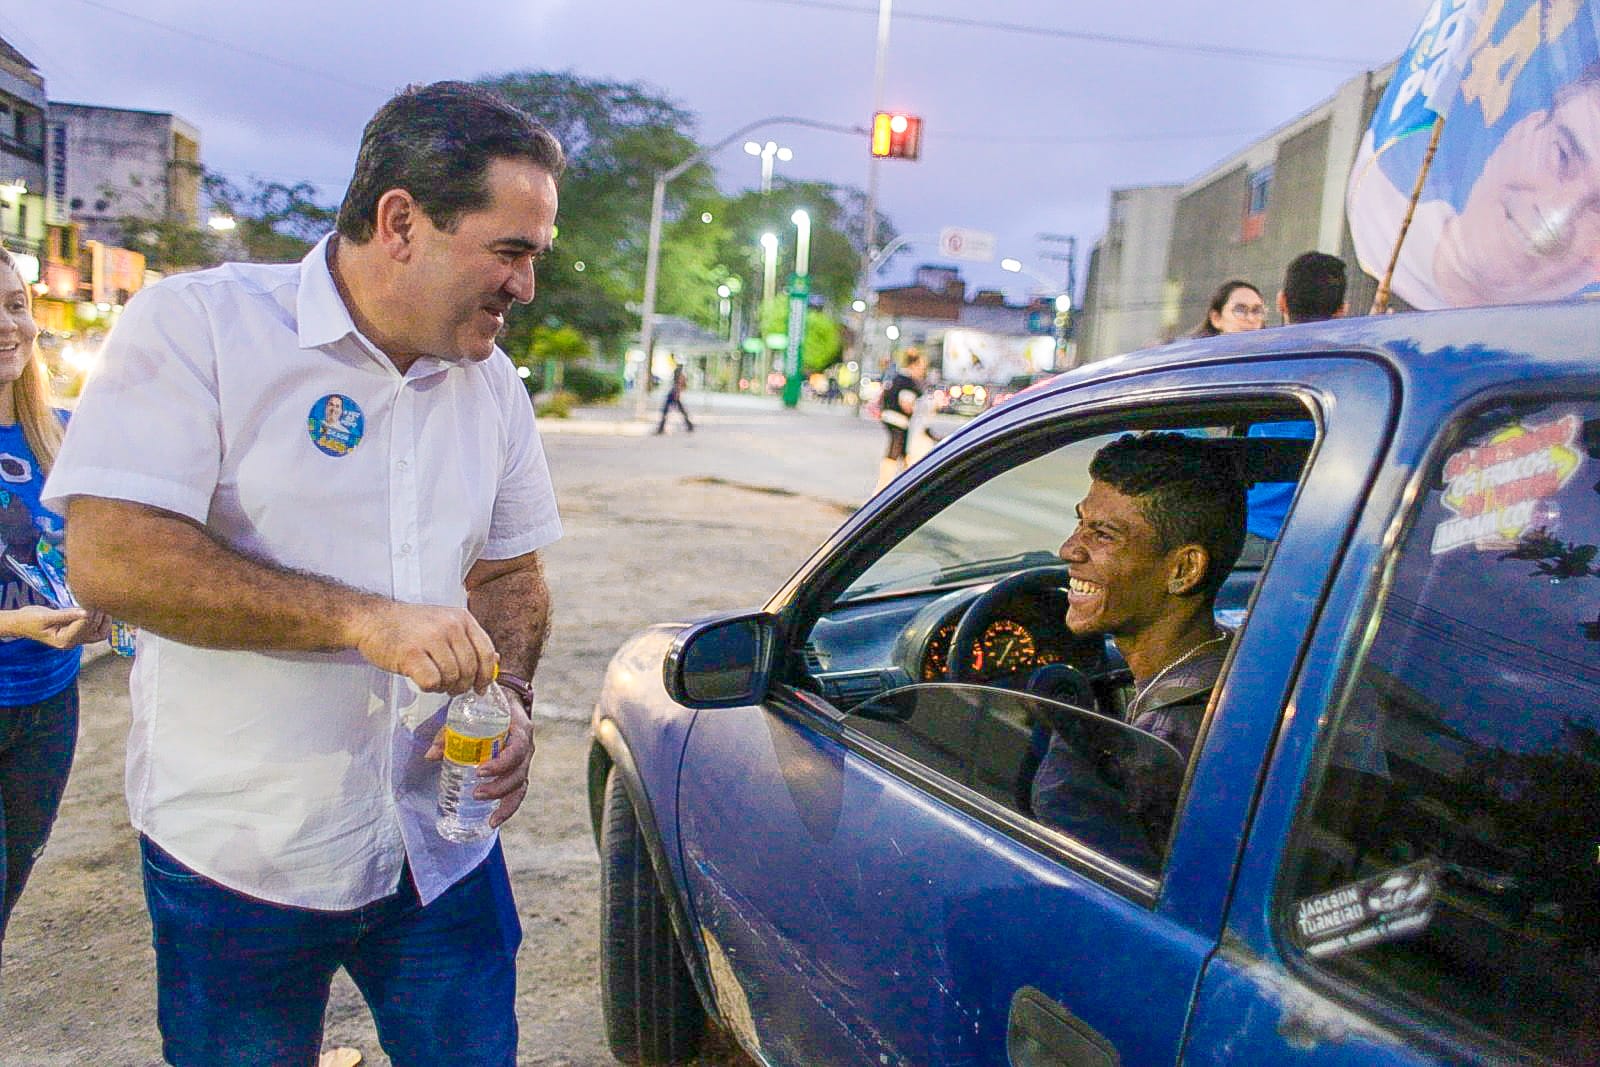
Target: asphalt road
[[656, 528]]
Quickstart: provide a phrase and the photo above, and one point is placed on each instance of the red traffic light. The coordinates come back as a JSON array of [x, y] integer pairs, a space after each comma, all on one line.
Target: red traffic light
[[896, 136]]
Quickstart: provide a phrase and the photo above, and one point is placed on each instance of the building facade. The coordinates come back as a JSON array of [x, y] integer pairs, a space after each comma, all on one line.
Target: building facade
[[121, 162], [1244, 218], [982, 340], [22, 158], [1124, 301]]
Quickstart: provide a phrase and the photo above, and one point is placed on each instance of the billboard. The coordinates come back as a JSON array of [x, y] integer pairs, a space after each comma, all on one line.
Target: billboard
[[986, 358]]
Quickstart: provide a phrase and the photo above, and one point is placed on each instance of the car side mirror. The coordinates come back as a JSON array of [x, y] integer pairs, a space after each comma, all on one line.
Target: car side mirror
[[723, 662]]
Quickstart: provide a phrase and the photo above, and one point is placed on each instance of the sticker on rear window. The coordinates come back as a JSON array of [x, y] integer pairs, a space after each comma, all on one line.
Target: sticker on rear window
[[1385, 907], [1502, 489]]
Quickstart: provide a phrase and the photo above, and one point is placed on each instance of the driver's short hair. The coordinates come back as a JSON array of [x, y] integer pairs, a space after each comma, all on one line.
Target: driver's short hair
[[1188, 489]]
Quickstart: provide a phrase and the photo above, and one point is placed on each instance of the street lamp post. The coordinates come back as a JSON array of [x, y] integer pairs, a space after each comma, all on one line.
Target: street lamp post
[[1063, 324], [767, 152], [799, 297], [769, 267], [658, 206]]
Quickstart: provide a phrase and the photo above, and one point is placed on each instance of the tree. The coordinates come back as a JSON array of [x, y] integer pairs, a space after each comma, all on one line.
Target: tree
[[618, 136], [274, 223], [168, 244], [837, 228], [823, 341]]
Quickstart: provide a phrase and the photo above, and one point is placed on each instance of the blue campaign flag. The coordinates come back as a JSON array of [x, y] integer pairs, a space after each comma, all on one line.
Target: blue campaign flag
[[1427, 73], [1510, 209]]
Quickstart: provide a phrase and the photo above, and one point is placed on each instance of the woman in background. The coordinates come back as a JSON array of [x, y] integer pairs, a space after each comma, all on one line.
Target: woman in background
[[1235, 307], [41, 629]]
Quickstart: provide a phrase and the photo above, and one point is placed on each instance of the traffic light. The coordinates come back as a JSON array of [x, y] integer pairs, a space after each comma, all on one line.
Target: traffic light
[[896, 136]]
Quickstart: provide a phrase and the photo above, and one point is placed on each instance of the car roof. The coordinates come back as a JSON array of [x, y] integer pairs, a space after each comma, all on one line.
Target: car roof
[[1454, 353]]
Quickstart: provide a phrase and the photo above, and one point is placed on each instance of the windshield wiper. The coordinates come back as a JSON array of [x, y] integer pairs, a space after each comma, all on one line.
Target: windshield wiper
[[984, 568], [961, 572]]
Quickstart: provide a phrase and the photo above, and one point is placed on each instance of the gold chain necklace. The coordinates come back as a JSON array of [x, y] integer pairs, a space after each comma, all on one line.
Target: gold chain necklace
[[1142, 690]]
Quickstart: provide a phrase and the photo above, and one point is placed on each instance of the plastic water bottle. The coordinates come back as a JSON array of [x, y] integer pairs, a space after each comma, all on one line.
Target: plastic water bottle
[[475, 729]]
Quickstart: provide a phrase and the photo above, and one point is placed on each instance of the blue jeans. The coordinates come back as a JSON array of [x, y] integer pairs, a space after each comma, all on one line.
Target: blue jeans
[[36, 743], [244, 982]]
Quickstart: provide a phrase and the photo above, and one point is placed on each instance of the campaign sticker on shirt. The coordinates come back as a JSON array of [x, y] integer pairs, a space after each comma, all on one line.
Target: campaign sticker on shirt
[[335, 424]]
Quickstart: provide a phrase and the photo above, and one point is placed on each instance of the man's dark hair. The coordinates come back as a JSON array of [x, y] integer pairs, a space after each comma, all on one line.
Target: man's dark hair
[[436, 142], [1189, 491], [1313, 287]]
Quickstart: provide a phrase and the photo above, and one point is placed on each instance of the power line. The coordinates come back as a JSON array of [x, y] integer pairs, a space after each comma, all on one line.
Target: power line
[[15, 34], [1217, 51], [1114, 138], [230, 46]]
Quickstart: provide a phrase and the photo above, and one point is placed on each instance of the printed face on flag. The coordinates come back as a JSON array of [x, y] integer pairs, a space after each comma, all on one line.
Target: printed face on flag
[[1530, 228], [1510, 209]]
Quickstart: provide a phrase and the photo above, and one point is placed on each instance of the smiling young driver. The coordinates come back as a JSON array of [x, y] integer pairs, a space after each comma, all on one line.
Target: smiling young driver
[[1159, 530]]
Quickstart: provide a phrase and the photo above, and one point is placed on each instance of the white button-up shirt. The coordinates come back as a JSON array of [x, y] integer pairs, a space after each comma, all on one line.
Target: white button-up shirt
[[288, 775]]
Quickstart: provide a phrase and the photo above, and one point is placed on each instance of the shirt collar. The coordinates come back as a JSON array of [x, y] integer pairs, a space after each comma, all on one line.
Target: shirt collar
[[321, 312], [324, 318]]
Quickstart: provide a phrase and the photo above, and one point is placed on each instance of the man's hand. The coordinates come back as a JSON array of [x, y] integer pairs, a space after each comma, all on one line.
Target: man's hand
[[505, 778], [56, 627], [442, 650]]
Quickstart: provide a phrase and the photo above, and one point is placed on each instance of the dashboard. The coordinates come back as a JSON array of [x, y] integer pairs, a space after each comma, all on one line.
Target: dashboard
[[1007, 646], [866, 647], [861, 649]]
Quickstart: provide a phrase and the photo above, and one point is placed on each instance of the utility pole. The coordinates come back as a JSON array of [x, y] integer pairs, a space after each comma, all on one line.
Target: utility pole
[[1069, 255], [867, 255]]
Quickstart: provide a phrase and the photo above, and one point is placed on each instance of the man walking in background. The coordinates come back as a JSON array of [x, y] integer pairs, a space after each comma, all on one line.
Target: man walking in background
[[317, 489], [680, 382]]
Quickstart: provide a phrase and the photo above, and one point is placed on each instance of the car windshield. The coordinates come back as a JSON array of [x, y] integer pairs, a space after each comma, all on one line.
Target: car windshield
[[1015, 519], [1019, 517]]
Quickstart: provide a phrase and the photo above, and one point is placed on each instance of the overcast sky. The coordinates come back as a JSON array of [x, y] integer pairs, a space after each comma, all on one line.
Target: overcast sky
[[1026, 127]]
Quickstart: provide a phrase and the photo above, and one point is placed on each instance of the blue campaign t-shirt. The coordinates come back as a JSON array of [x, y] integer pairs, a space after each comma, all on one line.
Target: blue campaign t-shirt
[[1269, 502], [29, 671]]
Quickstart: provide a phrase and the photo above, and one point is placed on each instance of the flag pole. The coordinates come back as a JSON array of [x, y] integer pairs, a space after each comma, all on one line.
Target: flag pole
[[1380, 301]]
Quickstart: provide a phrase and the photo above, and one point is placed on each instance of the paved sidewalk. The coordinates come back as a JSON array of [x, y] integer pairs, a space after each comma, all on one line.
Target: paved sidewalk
[[623, 417]]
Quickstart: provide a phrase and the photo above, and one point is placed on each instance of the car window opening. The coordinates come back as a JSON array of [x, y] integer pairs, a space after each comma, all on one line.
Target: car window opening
[[953, 646]]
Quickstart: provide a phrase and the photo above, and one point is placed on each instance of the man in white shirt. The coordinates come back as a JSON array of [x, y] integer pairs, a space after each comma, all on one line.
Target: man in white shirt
[[303, 593]]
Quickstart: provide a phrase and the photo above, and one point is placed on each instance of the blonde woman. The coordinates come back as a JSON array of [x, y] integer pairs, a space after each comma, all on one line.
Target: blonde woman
[[39, 638]]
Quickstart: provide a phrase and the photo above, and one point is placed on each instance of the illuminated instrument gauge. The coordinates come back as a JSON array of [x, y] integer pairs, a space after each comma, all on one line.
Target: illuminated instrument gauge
[[937, 660], [1004, 648]]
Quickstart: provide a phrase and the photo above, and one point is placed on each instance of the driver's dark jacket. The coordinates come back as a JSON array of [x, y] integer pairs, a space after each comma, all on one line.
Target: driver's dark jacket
[[1105, 789]]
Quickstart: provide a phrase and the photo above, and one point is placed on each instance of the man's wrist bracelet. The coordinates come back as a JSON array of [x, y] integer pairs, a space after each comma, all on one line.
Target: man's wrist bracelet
[[519, 686]]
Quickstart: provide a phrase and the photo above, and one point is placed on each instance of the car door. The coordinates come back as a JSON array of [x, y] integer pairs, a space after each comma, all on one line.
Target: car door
[[1421, 885], [858, 904]]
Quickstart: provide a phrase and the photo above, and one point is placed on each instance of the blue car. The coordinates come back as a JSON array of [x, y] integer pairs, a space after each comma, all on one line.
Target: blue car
[[816, 821]]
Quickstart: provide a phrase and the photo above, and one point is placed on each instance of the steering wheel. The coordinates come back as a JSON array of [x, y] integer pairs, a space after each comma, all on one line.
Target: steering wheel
[[1041, 585]]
